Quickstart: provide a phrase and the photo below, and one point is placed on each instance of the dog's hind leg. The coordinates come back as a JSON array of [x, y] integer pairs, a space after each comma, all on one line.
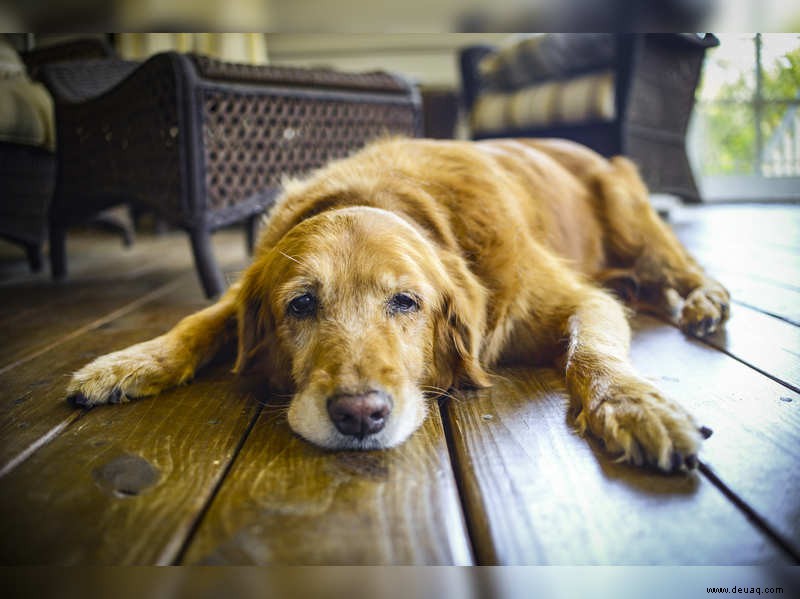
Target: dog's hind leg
[[638, 240], [158, 364]]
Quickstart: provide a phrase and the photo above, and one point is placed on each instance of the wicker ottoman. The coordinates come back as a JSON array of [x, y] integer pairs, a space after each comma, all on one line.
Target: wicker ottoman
[[205, 143]]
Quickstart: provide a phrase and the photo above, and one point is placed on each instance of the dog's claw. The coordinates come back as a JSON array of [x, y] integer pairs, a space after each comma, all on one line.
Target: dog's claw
[[725, 311], [78, 400], [116, 396], [676, 461], [705, 432], [691, 462]]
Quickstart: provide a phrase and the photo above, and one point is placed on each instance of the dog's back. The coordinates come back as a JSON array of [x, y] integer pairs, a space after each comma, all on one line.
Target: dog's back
[[480, 197]]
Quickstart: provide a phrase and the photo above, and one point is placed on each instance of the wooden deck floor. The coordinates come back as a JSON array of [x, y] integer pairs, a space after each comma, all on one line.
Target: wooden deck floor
[[211, 474]]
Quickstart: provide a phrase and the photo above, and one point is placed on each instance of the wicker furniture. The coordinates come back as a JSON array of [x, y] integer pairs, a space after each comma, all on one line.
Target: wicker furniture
[[654, 79], [205, 143], [27, 179], [28, 171]]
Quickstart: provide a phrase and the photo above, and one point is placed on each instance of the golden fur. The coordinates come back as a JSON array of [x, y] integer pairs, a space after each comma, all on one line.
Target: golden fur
[[501, 245]]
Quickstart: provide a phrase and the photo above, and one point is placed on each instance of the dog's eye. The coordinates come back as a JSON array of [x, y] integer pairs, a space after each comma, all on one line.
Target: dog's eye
[[303, 305], [403, 302]]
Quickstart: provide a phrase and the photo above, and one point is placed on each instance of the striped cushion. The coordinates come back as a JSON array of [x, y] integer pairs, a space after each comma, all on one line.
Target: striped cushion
[[579, 100]]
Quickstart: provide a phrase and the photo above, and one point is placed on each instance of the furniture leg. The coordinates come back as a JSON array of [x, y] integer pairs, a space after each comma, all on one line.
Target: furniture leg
[[207, 268], [34, 252], [251, 231], [58, 252]]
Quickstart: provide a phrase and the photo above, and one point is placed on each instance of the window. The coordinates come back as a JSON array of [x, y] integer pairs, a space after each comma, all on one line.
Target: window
[[744, 140]]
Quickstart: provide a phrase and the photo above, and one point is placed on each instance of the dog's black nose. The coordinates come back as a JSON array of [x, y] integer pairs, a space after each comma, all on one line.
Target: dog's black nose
[[359, 415]]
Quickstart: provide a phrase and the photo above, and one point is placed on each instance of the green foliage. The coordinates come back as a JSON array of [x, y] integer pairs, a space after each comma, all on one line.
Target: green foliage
[[729, 118], [730, 138], [781, 80]]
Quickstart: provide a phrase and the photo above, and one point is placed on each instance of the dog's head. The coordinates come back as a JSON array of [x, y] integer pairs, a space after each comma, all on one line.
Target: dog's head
[[360, 316]]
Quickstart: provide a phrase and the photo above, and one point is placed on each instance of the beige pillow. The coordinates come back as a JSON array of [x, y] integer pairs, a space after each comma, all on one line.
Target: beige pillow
[[26, 109], [11, 65]]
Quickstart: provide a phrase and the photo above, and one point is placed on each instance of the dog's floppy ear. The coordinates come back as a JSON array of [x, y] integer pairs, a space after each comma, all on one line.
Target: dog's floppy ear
[[255, 326], [459, 329]]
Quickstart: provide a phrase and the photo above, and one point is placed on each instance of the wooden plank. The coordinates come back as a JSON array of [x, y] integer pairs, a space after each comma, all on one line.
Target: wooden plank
[[14, 268], [772, 226], [536, 493], [752, 250], [755, 449], [125, 484], [34, 334], [36, 315], [32, 398], [60, 503], [32, 410], [771, 299], [89, 254], [288, 502], [770, 270], [768, 344]]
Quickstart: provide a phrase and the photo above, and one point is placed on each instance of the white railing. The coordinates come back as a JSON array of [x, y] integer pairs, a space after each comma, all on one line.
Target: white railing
[[781, 155]]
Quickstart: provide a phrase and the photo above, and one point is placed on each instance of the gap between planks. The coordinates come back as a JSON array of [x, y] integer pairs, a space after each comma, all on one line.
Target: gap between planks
[[129, 307], [174, 556]]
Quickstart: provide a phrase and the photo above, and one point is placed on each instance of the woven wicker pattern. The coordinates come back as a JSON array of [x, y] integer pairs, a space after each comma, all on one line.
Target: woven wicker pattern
[[252, 141], [663, 162], [662, 96], [199, 150], [211, 68], [125, 141], [27, 175]]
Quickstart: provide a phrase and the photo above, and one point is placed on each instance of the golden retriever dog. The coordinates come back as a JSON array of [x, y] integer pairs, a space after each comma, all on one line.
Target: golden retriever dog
[[415, 266]]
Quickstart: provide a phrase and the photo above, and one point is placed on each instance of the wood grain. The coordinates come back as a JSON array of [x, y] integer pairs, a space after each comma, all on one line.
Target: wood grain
[[124, 484], [32, 395], [768, 344], [773, 300], [536, 493], [34, 316], [755, 449], [774, 227], [756, 243], [167, 479], [288, 502]]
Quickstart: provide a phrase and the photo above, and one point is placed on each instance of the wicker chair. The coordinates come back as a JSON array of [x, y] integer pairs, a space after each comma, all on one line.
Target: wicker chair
[[655, 76], [205, 143], [28, 173]]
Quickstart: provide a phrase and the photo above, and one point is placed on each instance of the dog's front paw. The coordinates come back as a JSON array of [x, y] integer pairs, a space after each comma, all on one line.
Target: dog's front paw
[[704, 310], [634, 420], [137, 371]]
